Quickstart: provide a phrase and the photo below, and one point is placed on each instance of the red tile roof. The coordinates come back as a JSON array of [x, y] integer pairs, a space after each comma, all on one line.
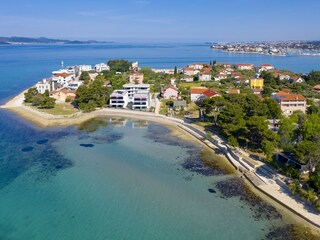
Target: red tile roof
[[64, 74], [266, 65], [234, 91], [210, 93], [198, 90], [170, 86], [290, 96]]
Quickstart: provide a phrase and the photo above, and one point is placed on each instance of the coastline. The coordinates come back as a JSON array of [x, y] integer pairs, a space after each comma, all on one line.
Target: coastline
[[178, 129]]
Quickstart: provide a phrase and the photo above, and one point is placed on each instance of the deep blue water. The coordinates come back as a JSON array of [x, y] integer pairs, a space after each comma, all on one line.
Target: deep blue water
[[117, 182], [22, 66]]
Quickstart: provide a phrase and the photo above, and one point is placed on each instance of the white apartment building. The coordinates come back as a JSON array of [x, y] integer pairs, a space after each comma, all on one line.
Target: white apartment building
[[101, 67], [74, 85], [43, 86], [119, 99], [134, 88], [85, 68], [141, 100]]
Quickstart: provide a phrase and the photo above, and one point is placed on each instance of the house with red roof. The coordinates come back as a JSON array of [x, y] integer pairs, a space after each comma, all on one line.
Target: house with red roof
[[170, 92], [244, 66], [205, 75], [190, 71], [265, 67], [196, 92], [63, 94], [202, 92], [196, 66], [290, 102], [296, 79], [221, 76], [316, 89], [210, 94]]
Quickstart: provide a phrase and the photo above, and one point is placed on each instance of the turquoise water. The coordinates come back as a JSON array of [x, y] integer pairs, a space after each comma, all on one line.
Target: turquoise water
[[118, 182], [125, 181]]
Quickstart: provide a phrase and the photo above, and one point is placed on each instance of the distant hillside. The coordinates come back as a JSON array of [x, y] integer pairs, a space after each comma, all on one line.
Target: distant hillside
[[42, 40]]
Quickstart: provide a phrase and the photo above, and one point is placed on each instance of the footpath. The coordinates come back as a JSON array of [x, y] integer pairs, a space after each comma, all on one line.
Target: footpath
[[261, 176]]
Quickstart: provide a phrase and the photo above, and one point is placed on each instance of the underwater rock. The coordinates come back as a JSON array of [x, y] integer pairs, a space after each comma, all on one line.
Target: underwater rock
[[87, 145], [27, 149], [42, 141], [235, 187], [210, 190]]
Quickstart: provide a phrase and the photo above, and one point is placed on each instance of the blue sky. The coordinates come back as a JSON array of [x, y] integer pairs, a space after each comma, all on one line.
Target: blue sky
[[162, 20]]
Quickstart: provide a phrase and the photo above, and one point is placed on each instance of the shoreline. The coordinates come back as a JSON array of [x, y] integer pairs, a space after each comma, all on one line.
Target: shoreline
[[45, 120]]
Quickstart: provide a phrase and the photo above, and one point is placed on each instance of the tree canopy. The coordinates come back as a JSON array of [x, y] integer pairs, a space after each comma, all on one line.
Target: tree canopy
[[119, 65]]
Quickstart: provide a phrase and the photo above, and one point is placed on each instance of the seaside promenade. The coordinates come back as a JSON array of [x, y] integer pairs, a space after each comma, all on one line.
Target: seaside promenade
[[257, 173]]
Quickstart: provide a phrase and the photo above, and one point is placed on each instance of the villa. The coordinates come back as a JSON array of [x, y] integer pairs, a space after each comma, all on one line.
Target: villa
[[63, 94], [244, 66], [196, 92], [221, 76], [190, 71], [265, 67], [205, 76], [170, 92], [290, 102], [43, 86], [196, 66], [136, 77]]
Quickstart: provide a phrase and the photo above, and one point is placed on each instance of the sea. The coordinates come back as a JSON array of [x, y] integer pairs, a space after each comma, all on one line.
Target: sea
[[117, 178]]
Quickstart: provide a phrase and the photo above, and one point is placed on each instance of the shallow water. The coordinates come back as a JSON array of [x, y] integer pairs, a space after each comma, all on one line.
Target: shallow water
[[126, 185]]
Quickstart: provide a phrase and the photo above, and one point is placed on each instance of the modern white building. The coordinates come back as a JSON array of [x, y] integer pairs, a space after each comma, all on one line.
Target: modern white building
[[141, 100], [119, 99], [61, 79], [74, 85], [134, 88], [101, 67], [85, 68], [43, 86]]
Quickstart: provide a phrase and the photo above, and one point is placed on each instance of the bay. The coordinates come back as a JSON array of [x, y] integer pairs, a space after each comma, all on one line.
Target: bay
[[124, 181]]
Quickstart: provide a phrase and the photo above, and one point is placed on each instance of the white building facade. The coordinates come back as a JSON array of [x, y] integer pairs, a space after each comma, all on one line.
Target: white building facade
[[119, 99]]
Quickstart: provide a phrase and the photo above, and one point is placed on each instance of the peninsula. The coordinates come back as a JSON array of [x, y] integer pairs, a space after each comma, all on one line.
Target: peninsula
[[242, 110], [42, 40]]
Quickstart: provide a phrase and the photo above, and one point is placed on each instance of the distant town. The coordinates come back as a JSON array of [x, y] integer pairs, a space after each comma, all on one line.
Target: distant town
[[281, 48]]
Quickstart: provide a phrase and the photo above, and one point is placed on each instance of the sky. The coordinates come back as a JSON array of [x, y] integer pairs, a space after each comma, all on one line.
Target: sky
[[162, 20]]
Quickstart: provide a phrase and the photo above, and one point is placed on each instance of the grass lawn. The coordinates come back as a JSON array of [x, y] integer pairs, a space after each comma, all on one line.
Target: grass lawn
[[190, 84], [61, 109]]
